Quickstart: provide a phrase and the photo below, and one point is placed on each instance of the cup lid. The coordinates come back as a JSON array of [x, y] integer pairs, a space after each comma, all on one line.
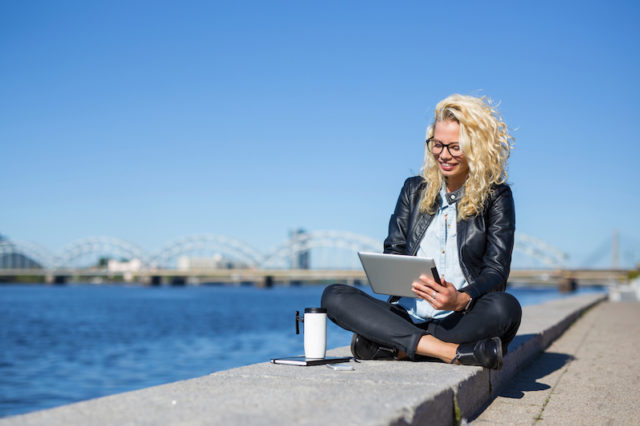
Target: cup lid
[[315, 310]]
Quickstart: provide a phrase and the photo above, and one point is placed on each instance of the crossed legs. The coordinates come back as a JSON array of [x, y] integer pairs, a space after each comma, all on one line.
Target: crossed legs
[[493, 315]]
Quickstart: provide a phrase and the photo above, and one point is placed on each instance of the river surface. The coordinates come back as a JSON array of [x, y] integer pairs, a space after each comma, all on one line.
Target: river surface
[[62, 344]]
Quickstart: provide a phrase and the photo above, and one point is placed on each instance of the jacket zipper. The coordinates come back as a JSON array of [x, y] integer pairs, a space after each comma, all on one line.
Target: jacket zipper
[[415, 249]]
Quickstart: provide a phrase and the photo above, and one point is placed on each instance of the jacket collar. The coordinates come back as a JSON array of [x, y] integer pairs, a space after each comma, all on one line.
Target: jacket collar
[[451, 197], [455, 196]]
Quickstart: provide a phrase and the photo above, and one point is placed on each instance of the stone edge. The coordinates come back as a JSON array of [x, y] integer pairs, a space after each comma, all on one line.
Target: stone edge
[[473, 395], [470, 396]]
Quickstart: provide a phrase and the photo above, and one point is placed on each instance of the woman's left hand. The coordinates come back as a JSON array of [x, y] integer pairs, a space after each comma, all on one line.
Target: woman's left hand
[[443, 297]]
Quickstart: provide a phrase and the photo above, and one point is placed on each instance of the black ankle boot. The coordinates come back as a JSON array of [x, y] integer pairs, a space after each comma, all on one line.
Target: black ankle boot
[[484, 353], [365, 349]]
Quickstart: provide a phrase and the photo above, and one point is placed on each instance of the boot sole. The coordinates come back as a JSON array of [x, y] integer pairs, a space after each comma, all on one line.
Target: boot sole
[[499, 343], [353, 346], [379, 353]]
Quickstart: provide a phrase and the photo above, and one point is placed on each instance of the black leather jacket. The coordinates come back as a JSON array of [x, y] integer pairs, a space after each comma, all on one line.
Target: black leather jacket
[[485, 241]]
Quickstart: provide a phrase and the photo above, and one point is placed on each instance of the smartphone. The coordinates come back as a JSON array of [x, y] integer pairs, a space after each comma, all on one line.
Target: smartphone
[[436, 276], [341, 367]]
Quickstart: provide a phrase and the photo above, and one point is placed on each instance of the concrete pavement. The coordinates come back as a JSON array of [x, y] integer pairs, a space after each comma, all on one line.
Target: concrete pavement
[[589, 376]]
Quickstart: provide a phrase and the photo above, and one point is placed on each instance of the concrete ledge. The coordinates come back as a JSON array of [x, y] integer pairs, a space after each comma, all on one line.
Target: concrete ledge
[[376, 393]]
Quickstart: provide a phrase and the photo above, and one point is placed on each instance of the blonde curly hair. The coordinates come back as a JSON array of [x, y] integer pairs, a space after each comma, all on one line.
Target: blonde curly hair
[[486, 144]]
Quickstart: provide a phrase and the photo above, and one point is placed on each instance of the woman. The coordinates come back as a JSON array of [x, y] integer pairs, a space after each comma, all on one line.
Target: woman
[[460, 212]]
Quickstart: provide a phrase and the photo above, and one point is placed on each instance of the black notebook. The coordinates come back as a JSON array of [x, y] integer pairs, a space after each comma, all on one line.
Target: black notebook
[[301, 360]]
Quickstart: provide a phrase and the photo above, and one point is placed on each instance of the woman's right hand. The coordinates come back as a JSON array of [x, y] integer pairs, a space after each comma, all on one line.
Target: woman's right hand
[[441, 296]]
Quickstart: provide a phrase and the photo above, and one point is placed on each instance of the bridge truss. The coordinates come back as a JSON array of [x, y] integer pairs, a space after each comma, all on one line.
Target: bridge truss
[[338, 248]]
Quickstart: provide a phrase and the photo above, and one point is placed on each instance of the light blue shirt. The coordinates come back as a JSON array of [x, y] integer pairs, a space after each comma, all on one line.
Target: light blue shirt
[[440, 244]]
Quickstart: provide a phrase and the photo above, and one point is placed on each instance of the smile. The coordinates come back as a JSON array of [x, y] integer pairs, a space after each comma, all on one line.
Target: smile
[[448, 166]]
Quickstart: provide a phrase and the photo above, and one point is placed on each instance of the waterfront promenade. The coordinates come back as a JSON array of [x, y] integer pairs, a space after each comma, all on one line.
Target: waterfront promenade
[[589, 376], [375, 392]]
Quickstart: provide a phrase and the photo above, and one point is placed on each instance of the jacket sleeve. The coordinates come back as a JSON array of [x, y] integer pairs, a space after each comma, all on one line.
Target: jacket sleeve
[[396, 241], [500, 228]]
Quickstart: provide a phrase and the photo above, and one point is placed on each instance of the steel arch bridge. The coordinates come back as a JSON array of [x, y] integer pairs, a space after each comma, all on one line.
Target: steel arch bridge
[[528, 245], [229, 248], [539, 250], [98, 246], [232, 249], [304, 242]]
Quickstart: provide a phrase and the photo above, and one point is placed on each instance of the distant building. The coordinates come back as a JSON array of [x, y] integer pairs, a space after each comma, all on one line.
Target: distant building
[[18, 261], [115, 266], [186, 263], [12, 258], [126, 268], [300, 259]]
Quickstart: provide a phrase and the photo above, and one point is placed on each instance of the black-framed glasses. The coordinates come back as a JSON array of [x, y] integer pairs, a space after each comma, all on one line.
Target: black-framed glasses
[[436, 147]]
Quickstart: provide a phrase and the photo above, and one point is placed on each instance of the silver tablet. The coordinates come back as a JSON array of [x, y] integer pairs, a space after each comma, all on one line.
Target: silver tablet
[[393, 274]]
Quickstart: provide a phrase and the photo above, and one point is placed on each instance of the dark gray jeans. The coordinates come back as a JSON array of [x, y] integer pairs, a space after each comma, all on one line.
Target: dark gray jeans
[[494, 314]]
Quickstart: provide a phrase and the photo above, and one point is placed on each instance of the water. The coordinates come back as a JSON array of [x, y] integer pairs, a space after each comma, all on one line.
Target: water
[[64, 344]]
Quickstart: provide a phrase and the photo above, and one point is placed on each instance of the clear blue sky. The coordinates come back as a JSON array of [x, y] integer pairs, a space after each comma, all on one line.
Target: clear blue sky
[[150, 120]]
